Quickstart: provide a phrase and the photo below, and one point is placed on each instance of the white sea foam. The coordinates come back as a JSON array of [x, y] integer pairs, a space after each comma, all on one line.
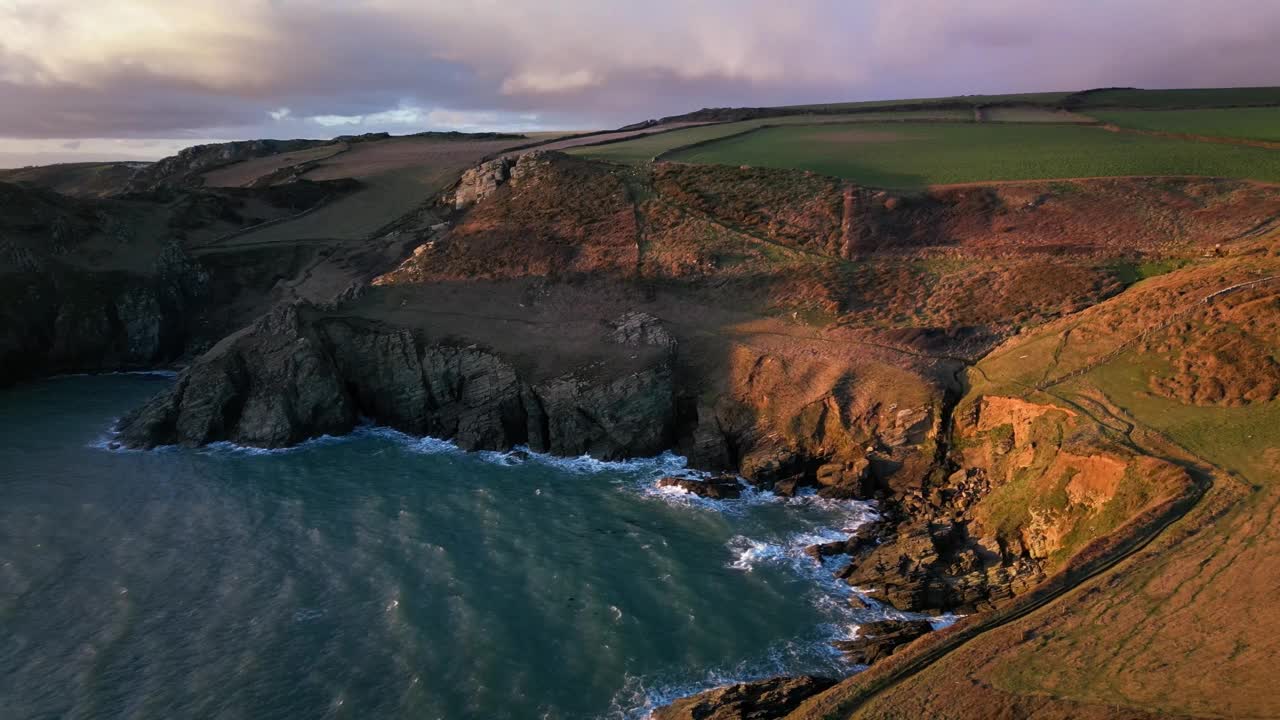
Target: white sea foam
[[829, 595], [167, 374], [640, 696]]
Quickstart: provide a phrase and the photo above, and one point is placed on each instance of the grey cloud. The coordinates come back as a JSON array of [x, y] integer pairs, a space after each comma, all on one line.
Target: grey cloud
[[580, 63]]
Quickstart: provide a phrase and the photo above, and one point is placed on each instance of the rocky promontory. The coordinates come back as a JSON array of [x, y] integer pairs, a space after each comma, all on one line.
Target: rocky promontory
[[297, 374]]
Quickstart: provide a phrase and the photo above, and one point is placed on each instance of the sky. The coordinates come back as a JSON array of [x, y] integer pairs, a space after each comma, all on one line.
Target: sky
[[140, 79]]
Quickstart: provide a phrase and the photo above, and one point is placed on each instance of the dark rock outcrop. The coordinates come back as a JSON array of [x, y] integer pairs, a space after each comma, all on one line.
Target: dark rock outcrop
[[878, 640], [759, 700], [721, 487], [297, 374], [637, 329], [55, 318]]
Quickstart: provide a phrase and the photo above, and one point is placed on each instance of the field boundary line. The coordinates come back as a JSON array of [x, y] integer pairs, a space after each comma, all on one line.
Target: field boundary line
[[1190, 137]]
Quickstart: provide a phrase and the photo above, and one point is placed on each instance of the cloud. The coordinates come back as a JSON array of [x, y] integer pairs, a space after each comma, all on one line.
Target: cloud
[[548, 82], [245, 68], [336, 120]]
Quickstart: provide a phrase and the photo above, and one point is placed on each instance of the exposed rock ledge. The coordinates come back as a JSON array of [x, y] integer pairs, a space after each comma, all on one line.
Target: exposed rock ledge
[[297, 374], [760, 700]]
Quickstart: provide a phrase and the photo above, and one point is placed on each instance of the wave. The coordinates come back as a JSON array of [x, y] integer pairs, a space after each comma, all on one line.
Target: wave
[[639, 697], [165, 374], [667, 463], [837, 518]]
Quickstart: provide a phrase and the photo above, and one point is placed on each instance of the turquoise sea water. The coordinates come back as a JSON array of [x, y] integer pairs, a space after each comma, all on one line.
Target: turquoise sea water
[[381, 576]]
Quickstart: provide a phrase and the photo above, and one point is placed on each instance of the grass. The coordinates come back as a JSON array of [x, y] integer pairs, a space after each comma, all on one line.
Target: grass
[[1129, 272], [1236, 438], [1261, 123], [1192, 98], [646, 147], [910, 156]]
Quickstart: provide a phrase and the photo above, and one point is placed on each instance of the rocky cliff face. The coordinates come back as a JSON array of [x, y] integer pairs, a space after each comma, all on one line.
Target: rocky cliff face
[[1030, 485], [298, 374], [55, 318]]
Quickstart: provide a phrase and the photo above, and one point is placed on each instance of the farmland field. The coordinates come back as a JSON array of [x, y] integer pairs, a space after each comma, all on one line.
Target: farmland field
[[1261, 123], [905, 155], [242, 174], [645, 148], [397, 174]]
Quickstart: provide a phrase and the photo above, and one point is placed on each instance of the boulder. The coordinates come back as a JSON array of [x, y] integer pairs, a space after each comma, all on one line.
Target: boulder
[[640, 329], [788, 487], [721, 487], [846, 481], [878, 640], [759, 700], [819, 551]]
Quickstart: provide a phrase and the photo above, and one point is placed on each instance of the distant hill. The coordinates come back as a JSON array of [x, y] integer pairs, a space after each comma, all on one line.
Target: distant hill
[[1093, 98], [85, 180]]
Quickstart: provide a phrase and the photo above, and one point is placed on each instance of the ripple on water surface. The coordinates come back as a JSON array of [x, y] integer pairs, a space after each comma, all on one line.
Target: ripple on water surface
[[383, 575]]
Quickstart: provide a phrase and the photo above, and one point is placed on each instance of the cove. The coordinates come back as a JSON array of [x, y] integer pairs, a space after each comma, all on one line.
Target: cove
[[379, 575]]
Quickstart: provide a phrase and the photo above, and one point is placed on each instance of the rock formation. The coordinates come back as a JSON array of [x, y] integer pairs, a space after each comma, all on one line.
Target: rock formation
[[878, 640], [722, 487], [481, 181], [759, 700], [297, 374]]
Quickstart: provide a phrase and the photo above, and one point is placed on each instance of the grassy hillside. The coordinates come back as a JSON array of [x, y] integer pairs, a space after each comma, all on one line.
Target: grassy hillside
[[86, 180], [397, 175], [908, 156], [1261, 123]]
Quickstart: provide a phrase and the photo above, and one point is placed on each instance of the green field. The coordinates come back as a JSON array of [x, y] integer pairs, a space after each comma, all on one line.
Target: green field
[[647, 147], [1249, 123], [1162, 99], [908, 156], [1234, 437]]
